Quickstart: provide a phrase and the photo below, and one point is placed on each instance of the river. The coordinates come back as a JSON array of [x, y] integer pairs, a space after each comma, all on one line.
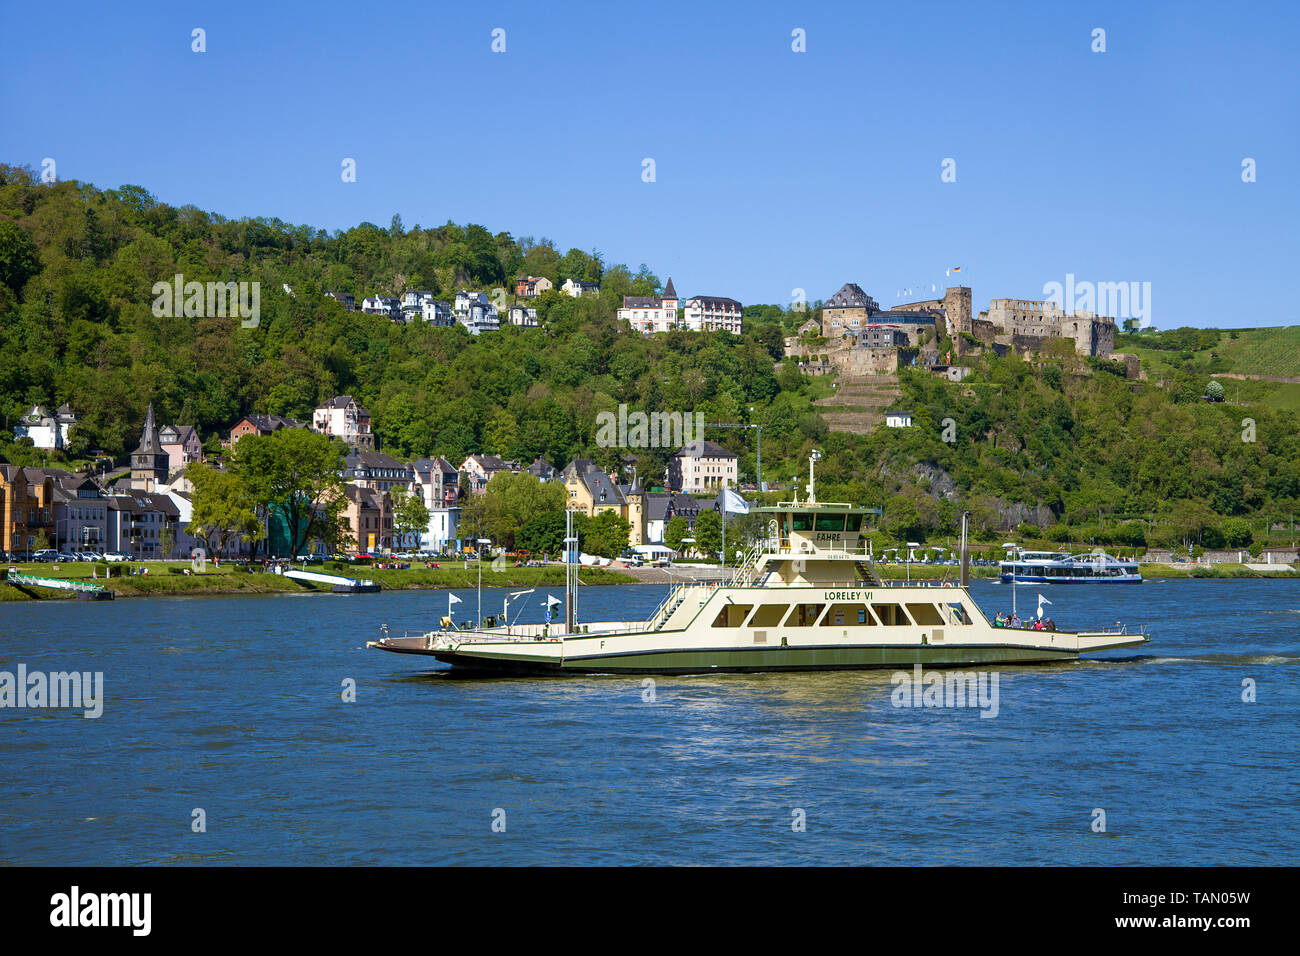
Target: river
[[233, 706]]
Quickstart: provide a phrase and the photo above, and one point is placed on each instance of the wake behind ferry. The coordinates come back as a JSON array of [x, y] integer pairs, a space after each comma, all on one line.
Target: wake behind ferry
[[807, 598], [1049, 567]]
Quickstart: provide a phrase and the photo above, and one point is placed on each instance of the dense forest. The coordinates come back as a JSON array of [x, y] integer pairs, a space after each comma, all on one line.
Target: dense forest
[[1062, 444]]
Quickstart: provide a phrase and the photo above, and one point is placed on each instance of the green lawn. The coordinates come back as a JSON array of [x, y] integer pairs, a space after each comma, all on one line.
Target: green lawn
[[167, 578]]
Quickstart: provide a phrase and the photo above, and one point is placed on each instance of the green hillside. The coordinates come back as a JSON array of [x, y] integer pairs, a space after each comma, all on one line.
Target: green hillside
[[1062, 444]]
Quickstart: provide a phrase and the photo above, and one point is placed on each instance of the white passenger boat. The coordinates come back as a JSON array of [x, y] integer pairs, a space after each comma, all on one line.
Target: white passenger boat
[[807, 598], [1049, 567]]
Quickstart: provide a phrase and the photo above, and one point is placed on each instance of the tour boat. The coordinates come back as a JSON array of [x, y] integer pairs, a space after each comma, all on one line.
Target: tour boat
[[806, 598], [1049, 567]]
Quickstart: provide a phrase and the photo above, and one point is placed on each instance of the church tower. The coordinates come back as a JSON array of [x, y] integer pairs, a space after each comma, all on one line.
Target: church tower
[[149, 462], [636, 512]]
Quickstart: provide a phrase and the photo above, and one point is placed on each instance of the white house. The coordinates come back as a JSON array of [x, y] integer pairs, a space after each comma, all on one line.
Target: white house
[[437, 313], [703, 466], [898, 419], [381, 305], [46, 430], [651, 314], [578, 288], [523, 315], [342, 417], [712, 313], [476, 312]]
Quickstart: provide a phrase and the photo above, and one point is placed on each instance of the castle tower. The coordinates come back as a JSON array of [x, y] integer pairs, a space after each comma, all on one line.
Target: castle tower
[[149, 461], [957, 310]]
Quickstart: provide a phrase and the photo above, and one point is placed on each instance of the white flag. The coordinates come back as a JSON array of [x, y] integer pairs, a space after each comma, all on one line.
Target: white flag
[[451, 599], [732, 503], [1041, 601], [553, 601]]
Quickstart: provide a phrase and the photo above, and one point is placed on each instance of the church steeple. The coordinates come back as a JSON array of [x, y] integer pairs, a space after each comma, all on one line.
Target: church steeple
[[149, 461]]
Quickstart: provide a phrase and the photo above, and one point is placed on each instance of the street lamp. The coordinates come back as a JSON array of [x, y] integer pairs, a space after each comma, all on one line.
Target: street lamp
[[480, 542], [911, 556]]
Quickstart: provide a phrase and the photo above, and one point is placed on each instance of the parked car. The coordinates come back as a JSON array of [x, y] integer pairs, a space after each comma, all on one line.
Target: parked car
[[67, 556], [91, 556], [116, 556], [46, 554]]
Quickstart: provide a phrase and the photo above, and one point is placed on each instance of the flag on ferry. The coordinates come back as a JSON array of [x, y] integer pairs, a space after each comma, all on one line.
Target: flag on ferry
[[552, 602], [451, 599], [1041, 601]]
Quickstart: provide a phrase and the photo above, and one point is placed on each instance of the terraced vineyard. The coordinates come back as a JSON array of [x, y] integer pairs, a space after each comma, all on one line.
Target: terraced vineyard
[[1274, 351], [859, 404]]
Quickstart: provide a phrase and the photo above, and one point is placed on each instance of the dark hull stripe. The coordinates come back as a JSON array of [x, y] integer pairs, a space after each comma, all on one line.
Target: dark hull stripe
[[758, 660]]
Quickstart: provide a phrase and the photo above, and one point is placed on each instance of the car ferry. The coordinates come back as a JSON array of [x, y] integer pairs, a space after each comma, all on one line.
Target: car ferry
[[1049, 567], [807, 598]]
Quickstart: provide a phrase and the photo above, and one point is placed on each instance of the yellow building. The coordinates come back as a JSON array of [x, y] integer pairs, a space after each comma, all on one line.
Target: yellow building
[[591, 491]]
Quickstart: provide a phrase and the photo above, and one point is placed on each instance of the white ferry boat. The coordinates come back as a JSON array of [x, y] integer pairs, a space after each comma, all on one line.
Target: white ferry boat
[[808, 598], [1049, 567]]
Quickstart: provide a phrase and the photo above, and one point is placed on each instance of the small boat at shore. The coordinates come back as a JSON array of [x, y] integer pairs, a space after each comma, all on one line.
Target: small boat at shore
[[1049, 567], [806, 598]]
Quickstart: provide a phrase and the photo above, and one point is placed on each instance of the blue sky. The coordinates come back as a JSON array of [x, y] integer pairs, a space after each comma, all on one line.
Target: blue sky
[[775, 170]]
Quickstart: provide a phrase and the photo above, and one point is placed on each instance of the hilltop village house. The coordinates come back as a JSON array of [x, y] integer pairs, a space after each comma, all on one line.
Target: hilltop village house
[[702, 313], [45, 430]]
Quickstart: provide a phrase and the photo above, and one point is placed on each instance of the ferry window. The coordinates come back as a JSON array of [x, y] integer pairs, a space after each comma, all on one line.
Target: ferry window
[[854, 523], [848, 615], [805, 615], [830, 522], [802, 521], [925, 614], [959, 613], [769, 615], [732, 615], [890, 614]]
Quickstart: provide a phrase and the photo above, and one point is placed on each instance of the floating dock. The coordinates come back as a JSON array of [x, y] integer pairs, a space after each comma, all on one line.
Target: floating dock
[[84, 590], [338, 584]]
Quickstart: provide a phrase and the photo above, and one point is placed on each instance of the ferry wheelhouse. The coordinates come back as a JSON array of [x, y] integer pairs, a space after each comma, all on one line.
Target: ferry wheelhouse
[[805, 598], [1049, 567]]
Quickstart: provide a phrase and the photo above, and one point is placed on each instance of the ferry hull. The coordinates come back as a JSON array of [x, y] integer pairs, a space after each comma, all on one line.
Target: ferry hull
[[746, 660]]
